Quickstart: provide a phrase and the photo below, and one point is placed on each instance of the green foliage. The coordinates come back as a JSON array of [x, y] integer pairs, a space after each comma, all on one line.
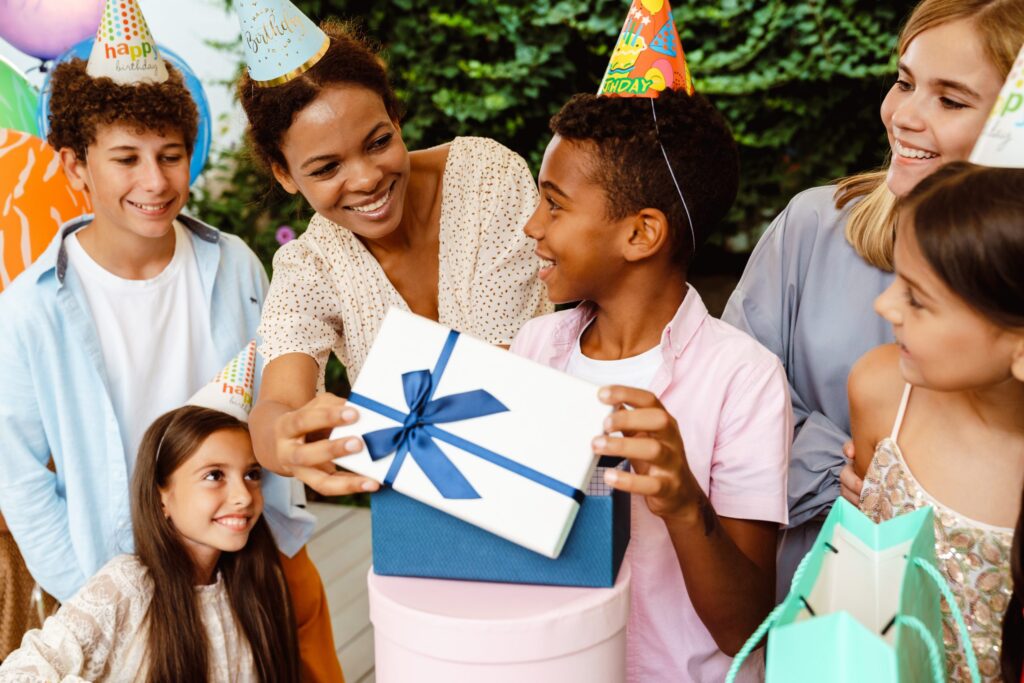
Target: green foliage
[[800, 82]]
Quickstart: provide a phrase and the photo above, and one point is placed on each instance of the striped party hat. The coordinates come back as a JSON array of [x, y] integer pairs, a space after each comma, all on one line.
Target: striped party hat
[[124, 50]]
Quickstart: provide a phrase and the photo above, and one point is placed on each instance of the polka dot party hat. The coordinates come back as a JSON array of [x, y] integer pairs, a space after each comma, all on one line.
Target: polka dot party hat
[[232, 389], [280, 42], [124, 49], [1002, 140], [648, 56]]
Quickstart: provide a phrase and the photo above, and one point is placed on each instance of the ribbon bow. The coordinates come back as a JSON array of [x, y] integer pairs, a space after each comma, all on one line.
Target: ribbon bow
[[413, 438]]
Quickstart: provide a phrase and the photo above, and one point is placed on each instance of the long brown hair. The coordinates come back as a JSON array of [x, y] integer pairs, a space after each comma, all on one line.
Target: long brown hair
[[871, 225], [178, 649]]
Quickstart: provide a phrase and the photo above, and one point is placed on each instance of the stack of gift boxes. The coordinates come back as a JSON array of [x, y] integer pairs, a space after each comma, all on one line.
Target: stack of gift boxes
[[486, 458]]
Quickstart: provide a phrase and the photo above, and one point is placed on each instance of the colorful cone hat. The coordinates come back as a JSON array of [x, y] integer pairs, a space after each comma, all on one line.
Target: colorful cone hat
[[648, 56], [1001, 143], [280, 41], [232, 389], [124, 49]]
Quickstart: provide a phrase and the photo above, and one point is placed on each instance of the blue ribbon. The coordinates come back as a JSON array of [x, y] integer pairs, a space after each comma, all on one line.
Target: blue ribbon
[[418, 431]]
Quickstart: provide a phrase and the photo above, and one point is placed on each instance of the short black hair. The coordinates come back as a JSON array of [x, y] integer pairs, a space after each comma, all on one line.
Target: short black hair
[[631, 169]]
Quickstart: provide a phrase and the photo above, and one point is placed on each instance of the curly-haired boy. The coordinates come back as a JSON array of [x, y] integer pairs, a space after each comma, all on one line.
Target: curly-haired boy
[[124, 317], [630, 187]]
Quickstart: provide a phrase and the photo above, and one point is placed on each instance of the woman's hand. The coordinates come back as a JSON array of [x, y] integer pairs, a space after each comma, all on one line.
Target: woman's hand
[[306, 452], [849, 483], [652, 443]]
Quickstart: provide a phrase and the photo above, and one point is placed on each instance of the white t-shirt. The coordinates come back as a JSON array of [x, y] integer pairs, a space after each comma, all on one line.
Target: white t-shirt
[[635, 371], [155, 336]]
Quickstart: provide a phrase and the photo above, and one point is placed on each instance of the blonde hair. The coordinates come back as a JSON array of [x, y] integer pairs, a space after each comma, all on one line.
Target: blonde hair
[[871, 225]]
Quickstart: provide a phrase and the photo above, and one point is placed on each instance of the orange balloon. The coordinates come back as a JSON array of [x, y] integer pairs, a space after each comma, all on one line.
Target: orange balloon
[[36, 198]]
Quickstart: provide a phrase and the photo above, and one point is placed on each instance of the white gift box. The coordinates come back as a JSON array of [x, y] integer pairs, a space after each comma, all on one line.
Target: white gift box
[[1001, 143], [511, 457]]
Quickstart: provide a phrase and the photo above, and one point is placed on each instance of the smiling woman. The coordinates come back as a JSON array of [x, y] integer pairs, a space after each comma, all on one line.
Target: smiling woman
[[807, 290], [436, 231]]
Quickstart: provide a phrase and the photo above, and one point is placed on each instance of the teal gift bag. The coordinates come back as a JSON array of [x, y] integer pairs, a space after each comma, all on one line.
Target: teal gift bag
[[863, 606]]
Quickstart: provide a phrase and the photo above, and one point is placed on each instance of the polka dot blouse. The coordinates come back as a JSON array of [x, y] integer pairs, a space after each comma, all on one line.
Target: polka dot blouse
[[330, 294]]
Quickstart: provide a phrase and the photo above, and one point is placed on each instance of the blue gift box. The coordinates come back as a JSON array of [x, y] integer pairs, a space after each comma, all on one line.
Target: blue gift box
[[413, 539]]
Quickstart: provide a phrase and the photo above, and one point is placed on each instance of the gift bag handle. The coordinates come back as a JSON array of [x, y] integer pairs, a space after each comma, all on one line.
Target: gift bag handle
[[934, 658], [958, 616]]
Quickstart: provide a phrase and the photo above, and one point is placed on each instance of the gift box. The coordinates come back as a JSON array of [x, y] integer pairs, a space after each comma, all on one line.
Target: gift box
[[434, 631], [470, 429], [864, 606], [412, 539]]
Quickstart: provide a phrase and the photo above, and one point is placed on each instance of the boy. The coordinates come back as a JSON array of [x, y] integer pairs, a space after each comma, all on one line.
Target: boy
[[708, 430], [124, 317]]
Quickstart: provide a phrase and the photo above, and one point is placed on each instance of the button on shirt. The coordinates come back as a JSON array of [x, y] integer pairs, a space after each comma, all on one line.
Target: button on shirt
[[729, 395]]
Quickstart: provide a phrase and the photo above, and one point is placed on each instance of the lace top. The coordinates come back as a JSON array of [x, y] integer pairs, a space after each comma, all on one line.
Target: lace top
[[973, 557], [330, 293], [99, 634]]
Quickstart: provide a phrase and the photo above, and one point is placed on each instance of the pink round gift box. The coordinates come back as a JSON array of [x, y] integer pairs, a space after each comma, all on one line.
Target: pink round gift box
[[434, 631]]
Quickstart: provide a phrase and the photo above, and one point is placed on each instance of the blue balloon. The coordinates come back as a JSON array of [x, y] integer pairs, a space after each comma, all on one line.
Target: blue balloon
[[202, 147]]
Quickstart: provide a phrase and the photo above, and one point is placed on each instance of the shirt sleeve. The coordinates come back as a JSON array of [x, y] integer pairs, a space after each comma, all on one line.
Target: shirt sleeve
[[506, 291], [764, 305], [301, 313], [749, 465], [36, 514], [74, 645]]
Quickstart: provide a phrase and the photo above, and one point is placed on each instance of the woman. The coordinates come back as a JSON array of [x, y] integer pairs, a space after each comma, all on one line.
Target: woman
[[437, 232], [808, 288]]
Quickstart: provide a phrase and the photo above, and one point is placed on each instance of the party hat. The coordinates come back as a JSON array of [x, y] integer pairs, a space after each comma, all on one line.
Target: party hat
[[648, 56], [1002, 141], [231, 390], [280, 41], [124, 49]]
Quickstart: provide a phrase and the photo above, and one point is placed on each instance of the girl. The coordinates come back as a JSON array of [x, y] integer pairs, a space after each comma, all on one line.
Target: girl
[[203, 598], [942, 409], [806, 292], [436, 231], [1013, 623]]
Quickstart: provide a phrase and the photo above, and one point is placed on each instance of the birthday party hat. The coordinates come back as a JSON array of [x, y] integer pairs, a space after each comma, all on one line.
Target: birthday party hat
[[124, 49], [280, 41], [231, 390], [1002, 141], [648, 56]]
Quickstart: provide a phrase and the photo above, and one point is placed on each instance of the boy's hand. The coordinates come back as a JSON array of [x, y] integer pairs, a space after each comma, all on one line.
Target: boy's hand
[[652, 443]]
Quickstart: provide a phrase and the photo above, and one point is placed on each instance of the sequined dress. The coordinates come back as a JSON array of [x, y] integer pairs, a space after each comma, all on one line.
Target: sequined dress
[[973, 557]]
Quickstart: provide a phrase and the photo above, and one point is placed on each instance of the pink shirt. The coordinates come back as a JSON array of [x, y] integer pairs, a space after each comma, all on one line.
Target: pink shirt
[[731, 400]]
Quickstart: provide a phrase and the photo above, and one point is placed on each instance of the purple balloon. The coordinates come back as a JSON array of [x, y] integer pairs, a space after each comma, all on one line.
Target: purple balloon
[[46, 28]]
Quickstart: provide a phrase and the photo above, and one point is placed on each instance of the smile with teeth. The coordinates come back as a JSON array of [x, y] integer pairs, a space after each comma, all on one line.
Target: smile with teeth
[[151, 207], [233, 522], [911, 152], [373, 206], [546, 263]]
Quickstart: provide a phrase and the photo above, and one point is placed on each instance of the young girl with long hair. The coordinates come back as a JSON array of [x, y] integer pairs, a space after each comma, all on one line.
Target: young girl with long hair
[[807, 289], [938, 417], [203, 598]]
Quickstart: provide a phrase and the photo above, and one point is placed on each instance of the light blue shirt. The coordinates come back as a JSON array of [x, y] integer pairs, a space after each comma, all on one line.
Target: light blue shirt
[[54, 403], [809, 297]]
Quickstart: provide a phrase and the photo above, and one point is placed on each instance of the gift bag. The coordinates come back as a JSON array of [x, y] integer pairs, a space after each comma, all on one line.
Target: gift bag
[[864, 606]]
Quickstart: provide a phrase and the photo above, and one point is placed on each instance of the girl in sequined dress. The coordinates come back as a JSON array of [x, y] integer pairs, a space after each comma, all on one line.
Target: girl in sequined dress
[[942, 410]]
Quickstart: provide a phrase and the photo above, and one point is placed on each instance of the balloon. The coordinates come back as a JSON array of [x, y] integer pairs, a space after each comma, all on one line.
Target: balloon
[[46, 28], [202, 148], [36, 198], [18, 100]]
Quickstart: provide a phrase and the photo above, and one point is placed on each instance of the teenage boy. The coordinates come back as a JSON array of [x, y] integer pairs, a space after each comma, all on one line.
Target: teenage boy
[[124, 317], [701, 410]]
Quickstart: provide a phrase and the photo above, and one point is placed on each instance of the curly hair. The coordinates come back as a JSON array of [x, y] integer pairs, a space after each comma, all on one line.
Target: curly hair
[[80, 104], [629, 165], [351, 59]]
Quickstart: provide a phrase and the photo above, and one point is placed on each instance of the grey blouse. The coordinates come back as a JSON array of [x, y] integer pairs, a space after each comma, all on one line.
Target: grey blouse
[[807, 296]]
